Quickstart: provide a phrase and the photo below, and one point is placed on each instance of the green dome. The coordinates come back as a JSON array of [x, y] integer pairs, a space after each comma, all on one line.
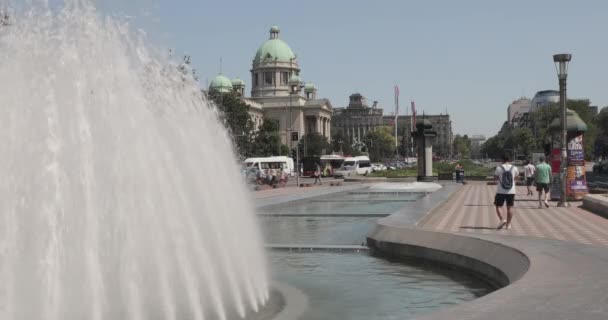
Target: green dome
[[238, 82], [221, 84], [274, 49], [310, 87], [294, 80], [574, 123]]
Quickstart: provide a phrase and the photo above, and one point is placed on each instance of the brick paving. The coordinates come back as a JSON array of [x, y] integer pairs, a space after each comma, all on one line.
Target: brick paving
[[470, 209]]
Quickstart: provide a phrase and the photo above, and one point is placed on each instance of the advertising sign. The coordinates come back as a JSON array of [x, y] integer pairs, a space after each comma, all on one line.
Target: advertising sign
[[576, 182], [576, 153]]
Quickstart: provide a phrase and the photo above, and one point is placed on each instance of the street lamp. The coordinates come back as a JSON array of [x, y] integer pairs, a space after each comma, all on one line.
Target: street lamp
[[561, 66], [295, 85]]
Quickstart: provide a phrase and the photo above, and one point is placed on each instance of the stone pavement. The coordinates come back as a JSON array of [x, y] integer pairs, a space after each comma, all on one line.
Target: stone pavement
[[470, 209]]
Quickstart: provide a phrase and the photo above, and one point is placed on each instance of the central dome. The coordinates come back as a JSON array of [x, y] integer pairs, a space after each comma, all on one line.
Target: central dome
[[274, 49]]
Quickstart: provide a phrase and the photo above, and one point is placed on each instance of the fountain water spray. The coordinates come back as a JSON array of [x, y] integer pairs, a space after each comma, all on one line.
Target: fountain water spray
[[121, 198]]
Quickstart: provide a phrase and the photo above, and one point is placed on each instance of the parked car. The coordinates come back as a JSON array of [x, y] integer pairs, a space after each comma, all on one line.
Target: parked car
[[378, 167], [601, 167]]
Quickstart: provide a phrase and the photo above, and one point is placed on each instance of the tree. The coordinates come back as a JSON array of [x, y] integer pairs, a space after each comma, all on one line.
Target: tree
[[380, 143], [462, 146], [523, 141], [341, 142], [313, 144], [234, 113], [267, 141], [601, 142]]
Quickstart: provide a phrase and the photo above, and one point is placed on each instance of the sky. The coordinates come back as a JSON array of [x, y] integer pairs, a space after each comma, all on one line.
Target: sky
[[470, 58]]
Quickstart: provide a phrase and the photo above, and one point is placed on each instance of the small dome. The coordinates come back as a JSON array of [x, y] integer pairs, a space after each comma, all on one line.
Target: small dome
[[221, 84], [294, 80], [310, 87], [274, 49], [238, 82], [574, 123]]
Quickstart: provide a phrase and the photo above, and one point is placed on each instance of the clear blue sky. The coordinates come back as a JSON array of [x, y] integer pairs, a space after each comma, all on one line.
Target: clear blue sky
[[471, 57]]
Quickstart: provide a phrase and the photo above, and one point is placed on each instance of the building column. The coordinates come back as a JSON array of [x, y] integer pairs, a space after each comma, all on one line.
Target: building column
[[329, 128]]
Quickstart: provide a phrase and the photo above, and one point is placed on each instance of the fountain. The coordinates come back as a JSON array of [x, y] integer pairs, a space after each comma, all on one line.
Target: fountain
[[120, 193]]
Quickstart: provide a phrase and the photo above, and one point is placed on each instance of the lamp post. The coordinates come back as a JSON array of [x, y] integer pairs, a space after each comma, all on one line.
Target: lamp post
[[294, 85], [561, 66]]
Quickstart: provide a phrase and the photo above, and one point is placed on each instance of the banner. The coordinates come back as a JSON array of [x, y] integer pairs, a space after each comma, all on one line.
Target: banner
[[556, 187], [576, 182], [576, 153]]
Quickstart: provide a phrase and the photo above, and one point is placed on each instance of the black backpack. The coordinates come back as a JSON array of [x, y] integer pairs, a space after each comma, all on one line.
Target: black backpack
[[506, 181]]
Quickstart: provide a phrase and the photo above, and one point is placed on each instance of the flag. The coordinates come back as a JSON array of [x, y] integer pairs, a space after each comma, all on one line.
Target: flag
[[413, 116], [396, 102]]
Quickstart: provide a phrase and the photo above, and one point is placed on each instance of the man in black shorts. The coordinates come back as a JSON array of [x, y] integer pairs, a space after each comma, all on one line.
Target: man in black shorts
[[505, 175]]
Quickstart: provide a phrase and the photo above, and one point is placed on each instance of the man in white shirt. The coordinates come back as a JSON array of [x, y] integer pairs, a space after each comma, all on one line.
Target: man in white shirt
[[506, 174], [529, 170]]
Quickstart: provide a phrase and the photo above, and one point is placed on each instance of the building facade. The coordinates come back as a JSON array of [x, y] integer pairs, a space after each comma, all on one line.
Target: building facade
[[358, 118], [442, 146], [543, 99], [517, 109], [278, 94]]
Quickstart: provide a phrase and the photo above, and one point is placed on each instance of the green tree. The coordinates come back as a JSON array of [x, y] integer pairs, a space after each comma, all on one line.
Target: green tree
[[314, 144], [523, 141], [234, 113], [341, 142], [601, 142], [380, 143], [267, 141], [462, 146]]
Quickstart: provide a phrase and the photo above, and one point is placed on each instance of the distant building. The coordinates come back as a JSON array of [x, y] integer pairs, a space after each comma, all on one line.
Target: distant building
[[476, 142], [517, 108], [358, 118], [544, 98], [275, 71], [593, 110], [442, 146]]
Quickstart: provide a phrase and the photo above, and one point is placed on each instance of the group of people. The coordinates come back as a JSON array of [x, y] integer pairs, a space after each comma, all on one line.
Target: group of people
[[271, 176], [506, 176]]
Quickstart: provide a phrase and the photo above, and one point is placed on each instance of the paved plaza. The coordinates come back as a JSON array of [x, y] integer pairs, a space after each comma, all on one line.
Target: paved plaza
[[470, 209]]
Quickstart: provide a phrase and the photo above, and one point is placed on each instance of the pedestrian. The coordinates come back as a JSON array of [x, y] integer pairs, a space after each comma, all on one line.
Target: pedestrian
[[506, 174], [529, 170], [318, 175], [543, 181]]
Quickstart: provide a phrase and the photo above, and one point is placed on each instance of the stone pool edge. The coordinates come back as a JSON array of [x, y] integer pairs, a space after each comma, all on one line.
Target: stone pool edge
[[541, 279]]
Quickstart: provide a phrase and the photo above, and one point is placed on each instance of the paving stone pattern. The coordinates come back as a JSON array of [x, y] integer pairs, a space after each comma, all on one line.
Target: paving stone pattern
[[471, 209]]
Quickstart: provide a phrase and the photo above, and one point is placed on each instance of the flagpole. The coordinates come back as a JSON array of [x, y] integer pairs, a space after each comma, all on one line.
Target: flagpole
[[396, 118]]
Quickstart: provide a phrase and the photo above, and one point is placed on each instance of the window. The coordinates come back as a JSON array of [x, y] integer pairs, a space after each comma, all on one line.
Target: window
[[268, 78], [256, 79], [284, 78]]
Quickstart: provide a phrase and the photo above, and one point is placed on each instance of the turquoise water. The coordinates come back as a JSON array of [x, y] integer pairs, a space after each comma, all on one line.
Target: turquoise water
[[316, 230], [361, 287], [357, 286], [358, 203]]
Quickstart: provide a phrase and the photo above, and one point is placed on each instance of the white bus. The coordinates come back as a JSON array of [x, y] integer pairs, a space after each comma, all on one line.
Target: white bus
[[279, 162]]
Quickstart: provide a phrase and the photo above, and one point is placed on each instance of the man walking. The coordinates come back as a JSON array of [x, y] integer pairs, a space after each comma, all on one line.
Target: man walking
[[505, 175], [529, 175], [543, 181]]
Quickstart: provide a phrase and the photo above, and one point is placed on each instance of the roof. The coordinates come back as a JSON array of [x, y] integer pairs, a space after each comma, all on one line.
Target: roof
[[274, 49], [221, 84], [574, 123]]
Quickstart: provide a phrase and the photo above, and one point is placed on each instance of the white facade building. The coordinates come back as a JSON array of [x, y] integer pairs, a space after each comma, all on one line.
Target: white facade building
[[278, 94], [517, 108]]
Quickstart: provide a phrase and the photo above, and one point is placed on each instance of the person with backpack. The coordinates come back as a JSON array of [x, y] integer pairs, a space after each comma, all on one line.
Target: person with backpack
[[506, 175]]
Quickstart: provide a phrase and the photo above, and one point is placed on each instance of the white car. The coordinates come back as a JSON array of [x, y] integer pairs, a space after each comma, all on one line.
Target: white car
[[378, 167]]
